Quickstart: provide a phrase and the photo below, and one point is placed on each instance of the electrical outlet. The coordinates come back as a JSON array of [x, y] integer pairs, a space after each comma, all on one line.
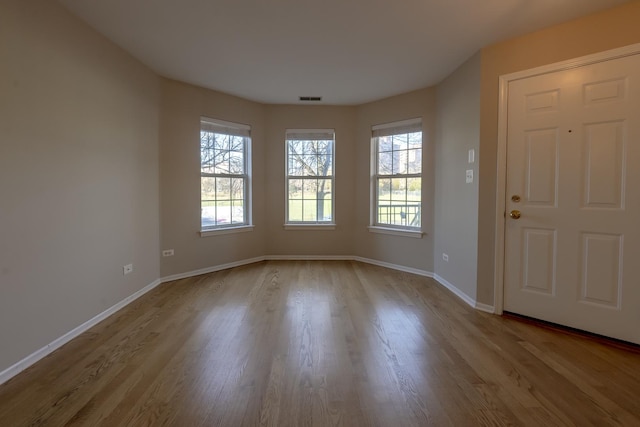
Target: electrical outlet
[[469, 176], [445, 257], [127, 269], [167, 252]]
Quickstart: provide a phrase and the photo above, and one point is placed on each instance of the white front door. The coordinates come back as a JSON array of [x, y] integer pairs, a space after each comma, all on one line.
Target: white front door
[[573, 172]]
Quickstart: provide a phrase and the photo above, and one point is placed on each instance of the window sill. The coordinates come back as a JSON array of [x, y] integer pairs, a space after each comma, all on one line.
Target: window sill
[[396, 231], [226, 230], [309, 227]]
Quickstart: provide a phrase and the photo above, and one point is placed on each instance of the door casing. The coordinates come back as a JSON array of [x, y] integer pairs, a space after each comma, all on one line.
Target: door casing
[[501, 179]]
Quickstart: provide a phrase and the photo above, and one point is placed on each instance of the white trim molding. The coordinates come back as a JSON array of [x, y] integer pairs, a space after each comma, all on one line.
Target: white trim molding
[[393, 266], [37, 355], [213, 269], [501, 179], [405, 232]]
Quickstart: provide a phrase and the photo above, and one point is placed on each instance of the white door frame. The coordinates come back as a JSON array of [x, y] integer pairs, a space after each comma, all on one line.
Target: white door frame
[[501, 181]]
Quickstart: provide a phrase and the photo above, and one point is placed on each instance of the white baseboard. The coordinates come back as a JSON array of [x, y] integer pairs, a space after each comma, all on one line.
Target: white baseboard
[[34, 357], [485, 307], [211, 269], [309, 258], [393, 266], [464, 297]]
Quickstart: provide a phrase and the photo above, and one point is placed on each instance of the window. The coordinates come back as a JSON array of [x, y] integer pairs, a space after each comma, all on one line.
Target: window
[[224, 174], [310, 181], [397, 175]]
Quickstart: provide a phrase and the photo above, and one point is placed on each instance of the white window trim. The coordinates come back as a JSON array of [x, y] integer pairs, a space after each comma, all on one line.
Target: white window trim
[[226, 230], [417, 234], [237, 129], [388, 129], [308, 225]]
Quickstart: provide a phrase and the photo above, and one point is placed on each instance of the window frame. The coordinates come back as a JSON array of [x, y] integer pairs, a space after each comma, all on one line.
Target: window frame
[[223, 127], [309, 135], [392, 129]]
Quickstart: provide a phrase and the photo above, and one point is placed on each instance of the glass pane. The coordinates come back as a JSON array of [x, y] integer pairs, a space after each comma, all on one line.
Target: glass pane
[[295, 189], [324, 212], [295, 165], [237, 188], [414, 190], [295, 210], [415, 140], [325, 166], [237, 212], [398, 189], [223, 188], [399, 162], [385, 144], [309, 210], [310, 189], [415, 161], [324, 189], [236, 162], [207, 202], [385, 163], [384, 189], [207, 188]]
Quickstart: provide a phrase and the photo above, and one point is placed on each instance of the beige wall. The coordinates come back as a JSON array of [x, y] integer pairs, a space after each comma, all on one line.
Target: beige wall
[[613, 28], [456, 202], [310, 242], [400, 250], [182, 107], [78, 175]]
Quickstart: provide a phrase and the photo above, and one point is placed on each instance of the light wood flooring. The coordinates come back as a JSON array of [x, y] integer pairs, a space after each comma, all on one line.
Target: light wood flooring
[[321, 343]]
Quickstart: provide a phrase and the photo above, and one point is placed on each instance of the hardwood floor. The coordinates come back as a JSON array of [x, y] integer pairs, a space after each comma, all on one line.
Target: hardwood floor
[[321, 343]]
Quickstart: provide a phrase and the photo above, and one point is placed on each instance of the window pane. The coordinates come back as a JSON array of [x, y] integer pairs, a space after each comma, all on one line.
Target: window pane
[[415, 161], [324, 200], [295, 189], [325, 213], [384, 189], [311, 159], [385, 144], [236, 162], [295, 210], [309, 210], [398, 200], [398, 192], [414, 189], [310, 190], [223, 199], [237, 212], [400, 142], [385, 163], [237, 188], [325, 166]]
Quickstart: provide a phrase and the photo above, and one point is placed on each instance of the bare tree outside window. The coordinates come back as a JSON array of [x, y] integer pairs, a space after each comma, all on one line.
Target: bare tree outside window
[[223, 173], [309, 180]]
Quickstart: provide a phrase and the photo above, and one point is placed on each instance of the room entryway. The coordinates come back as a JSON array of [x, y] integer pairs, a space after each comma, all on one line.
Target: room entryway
[[572, 197]]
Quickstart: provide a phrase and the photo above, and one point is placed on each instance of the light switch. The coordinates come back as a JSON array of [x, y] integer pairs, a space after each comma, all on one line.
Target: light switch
[[469, 176], [472, 156]]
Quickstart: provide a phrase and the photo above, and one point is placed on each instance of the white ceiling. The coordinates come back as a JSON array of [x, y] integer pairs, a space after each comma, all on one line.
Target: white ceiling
[[347, 51]]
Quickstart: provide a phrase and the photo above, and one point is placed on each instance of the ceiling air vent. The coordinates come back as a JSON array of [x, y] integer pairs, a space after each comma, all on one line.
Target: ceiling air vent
[[310, 98]]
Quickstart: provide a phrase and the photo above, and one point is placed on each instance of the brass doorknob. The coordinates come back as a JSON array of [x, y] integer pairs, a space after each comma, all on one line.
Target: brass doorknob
[[515, 214]]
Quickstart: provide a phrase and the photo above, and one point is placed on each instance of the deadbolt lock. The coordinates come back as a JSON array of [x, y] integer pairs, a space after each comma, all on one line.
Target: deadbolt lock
[[515, 198]]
